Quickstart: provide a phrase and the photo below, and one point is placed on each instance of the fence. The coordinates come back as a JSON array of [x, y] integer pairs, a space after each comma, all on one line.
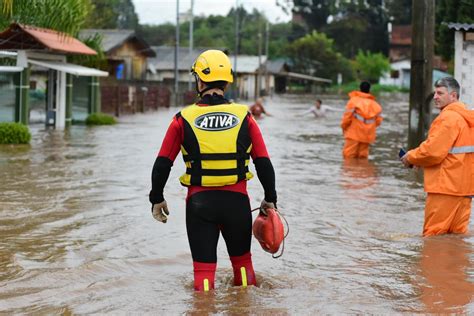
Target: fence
[[128, 97]]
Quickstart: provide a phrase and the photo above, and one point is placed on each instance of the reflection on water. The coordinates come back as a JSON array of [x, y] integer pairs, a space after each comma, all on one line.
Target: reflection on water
[[358, 174], [78, 236], [446, 268]]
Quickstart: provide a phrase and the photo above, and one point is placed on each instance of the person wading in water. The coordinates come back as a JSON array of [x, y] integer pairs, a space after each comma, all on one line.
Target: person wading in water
[[217, 139]]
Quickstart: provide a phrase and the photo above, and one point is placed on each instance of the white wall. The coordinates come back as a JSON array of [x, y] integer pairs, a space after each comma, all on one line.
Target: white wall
[[403, 80], [464, 67]]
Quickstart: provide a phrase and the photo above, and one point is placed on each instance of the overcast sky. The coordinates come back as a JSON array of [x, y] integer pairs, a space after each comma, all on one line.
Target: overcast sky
[[162, 11]]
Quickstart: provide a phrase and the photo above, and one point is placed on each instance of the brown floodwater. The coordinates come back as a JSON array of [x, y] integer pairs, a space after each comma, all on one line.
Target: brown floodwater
[[77, 236]]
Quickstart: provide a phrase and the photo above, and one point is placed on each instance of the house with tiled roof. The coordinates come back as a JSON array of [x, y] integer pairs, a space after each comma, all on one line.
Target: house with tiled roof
[[127, 53], [31, 48]]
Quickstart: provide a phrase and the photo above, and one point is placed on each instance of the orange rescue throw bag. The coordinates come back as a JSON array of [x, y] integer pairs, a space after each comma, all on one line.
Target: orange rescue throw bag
[[268, 230]]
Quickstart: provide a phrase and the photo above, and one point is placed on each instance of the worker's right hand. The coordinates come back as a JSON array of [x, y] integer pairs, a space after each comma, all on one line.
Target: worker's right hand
[[160, 212], [405, 161]]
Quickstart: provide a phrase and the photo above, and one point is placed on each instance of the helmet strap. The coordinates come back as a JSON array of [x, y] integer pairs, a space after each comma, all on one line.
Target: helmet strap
[[196, 85]]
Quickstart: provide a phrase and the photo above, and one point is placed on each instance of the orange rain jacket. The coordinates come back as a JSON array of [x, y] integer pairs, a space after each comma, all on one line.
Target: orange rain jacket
[[362, 116], [447, 155]]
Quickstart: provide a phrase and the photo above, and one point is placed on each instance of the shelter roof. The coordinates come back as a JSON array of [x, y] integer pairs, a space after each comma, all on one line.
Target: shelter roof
[[278, 65], [73, 69], [247, 63], [113, 39], [26, 37], [461, 26]]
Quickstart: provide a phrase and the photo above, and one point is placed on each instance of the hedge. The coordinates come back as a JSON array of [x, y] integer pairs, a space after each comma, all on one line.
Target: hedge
[[14, 133], [100, 119]]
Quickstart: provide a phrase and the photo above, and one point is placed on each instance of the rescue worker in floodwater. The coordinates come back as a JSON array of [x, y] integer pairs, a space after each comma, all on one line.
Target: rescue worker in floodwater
[[360, 120], [447, 158], [217, 139]]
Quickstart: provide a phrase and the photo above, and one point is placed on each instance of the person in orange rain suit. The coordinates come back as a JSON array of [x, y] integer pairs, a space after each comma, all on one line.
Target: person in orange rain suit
[[447, 156], [362, 116]]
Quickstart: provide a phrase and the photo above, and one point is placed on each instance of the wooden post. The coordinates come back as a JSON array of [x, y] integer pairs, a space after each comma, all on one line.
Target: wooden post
[[97, 100], [94, 96], [421, 82]]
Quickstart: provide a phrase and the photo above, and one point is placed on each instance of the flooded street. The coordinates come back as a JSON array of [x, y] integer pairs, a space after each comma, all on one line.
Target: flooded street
[[77, 235]]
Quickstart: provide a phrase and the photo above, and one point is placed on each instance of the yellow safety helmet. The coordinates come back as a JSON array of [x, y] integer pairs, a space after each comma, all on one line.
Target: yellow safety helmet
[[213, 65]]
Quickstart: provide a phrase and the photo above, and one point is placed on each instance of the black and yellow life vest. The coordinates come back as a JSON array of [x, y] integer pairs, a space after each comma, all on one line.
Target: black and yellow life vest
[[216, 146]]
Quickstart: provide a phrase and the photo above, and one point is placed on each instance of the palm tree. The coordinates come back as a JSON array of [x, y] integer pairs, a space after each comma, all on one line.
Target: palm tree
[[65, 16]]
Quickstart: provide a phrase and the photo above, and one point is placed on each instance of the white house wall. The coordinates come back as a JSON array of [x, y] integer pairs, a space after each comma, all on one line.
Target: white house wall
[[464, 67], [403, 80]]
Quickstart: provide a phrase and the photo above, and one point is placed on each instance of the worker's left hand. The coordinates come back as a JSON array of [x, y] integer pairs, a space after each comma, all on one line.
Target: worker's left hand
[[160, 212], [264, 205]]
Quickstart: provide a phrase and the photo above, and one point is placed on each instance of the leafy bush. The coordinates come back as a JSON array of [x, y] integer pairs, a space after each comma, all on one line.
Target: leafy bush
[[100, 119], [371, 66], [14, 133]]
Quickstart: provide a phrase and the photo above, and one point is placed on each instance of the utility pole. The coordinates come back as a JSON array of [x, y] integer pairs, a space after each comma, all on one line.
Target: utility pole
[[236, 51], [421, 79], [176, 49], [191, 30]]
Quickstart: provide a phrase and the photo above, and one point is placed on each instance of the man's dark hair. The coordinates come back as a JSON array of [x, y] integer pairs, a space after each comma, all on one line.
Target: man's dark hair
[[319, 100], [365, 86], [449, 83]]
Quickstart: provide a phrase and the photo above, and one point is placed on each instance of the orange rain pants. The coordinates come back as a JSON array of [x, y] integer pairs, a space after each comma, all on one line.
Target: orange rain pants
[[355, 149], [446, 214]]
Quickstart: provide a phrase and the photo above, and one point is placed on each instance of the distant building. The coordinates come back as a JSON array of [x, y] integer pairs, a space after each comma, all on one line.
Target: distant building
[[399, 42], [44, 52], [400, 46], [400, 63], [126, 91], [278, 68], [162, 69], [247, 70], [464, 59], [400, 74], [127, 54]]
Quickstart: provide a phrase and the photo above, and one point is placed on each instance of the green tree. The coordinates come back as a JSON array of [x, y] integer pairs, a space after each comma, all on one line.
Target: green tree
[[112, 14], [66, 16], [371, 66], [314, 54], [458, 11], [157, 35], [338, 18], [399, 11], [315, 13], [219, 32], [348, 42], [103, 15], [127, 18]]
